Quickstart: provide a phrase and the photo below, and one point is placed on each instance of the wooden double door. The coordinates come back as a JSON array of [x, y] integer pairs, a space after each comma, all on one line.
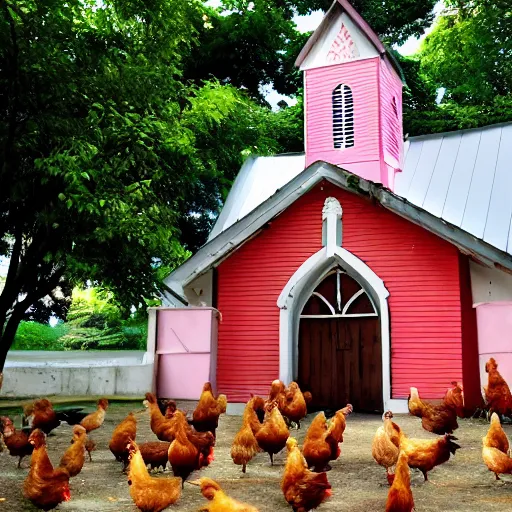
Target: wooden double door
[[340, 350]]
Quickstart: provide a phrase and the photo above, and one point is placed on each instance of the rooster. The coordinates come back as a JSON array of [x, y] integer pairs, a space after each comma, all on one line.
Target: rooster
[[321, 444], [385, 446], [245, 446], [497, 392], [148, 493], [400, 497], [206, 415], [70, 414], [425, 454], [219, 501], [45, 486], [303, 489], [438, 419]]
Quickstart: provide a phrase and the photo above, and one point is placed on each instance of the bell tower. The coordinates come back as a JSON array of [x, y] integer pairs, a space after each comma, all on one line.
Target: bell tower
[[353, 97]]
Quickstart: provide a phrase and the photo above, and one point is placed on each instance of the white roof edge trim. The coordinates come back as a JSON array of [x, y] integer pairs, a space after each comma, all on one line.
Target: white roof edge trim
[[429, 136], [230, 239]]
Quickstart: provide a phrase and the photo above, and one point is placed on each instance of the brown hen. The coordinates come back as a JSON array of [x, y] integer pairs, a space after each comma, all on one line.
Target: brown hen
[[400, 497], [206, 415], [438, 419], [293, 404], [303, 489], [321, 443], [245, 446], [219, 501], [45, 486], [148, 493], [125, 432], [74, 457], [385, 446], [95, 419], [16, 441], [272, 434]]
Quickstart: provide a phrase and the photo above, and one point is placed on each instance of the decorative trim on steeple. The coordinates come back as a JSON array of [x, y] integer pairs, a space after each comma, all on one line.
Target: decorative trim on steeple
[[343, 47]]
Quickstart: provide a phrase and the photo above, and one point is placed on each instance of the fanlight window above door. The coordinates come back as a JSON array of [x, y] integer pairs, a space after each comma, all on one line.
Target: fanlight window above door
[[339, 296]]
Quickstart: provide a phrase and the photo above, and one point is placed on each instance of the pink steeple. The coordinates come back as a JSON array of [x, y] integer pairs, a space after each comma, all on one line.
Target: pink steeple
[[353, 98]]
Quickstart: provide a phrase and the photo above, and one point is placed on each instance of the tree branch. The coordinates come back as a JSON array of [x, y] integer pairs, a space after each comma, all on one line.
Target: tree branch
[[9, 292]]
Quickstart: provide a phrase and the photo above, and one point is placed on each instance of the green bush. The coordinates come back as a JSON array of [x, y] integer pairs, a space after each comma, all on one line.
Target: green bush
[[94, 323], [36, 336]]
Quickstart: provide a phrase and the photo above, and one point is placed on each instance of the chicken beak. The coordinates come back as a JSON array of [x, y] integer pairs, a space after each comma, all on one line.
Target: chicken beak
[[193, 482]]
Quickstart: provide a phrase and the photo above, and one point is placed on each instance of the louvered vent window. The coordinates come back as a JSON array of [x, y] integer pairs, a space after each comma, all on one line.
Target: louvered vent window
[[342, 117]]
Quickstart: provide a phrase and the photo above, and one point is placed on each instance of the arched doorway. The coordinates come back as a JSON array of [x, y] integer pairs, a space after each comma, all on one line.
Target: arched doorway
[[339, 346]]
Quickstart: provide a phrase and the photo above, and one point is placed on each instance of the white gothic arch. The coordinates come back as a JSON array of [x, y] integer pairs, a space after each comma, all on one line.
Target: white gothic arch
[[304, 281]]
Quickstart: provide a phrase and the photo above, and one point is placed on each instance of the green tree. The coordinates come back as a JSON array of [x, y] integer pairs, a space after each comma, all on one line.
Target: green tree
[[245, 43], [470, 52], [103, 146]]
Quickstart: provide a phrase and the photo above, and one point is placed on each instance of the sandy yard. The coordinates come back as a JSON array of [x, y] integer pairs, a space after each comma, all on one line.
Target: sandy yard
[[359, 484]]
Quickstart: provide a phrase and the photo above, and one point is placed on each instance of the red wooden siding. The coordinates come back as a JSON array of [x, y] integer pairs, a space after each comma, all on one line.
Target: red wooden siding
[[470, 363], [420, 271], [361, 77]]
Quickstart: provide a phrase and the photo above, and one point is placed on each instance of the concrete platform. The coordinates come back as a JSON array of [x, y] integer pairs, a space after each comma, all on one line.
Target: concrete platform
[[43, 373]]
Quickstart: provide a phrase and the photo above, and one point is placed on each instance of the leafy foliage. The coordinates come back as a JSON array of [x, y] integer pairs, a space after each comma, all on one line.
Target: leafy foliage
[[95, 321], [470, 52], [37, 336], [245, 43]]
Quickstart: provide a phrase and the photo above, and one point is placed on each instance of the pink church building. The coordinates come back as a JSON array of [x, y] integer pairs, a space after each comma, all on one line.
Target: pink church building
[[361, 267]]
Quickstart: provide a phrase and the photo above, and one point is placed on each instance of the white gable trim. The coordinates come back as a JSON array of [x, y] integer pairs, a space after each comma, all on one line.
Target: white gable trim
[[317, 56]]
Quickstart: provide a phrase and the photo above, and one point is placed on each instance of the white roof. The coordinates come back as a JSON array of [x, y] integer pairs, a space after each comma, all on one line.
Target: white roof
[[463, 177], [259, 178]]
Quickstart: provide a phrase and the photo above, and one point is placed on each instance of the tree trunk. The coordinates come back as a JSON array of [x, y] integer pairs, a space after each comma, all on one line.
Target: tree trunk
[[7, 338]]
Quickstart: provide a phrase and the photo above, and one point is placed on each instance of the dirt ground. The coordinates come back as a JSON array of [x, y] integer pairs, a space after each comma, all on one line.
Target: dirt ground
[[359, 484]]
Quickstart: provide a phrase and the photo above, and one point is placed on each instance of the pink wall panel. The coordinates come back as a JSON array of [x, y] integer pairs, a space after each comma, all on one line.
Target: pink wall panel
[[184, 339], [362, 77], [420, 271], [494, 321], [391, 119]]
